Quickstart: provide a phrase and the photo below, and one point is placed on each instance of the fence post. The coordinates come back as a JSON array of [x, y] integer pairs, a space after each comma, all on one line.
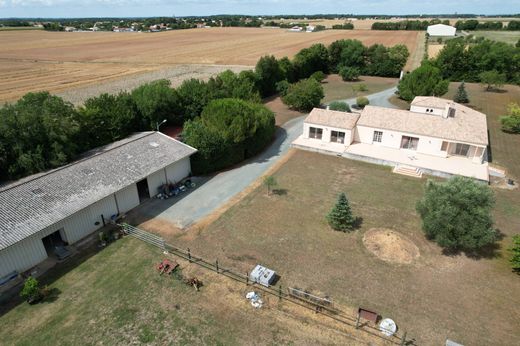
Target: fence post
[[247, 279], [403, 340], [216, 265], [280, 292], [189, 255]]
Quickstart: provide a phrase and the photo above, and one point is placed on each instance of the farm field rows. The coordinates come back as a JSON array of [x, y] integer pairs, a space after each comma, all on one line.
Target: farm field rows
[[39, 60]]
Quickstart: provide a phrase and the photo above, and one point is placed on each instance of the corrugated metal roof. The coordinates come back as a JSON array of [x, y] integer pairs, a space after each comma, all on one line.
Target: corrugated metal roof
[[36, 202]]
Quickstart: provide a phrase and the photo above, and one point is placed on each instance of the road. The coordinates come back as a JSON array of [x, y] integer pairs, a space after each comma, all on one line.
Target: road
[[213, 192]]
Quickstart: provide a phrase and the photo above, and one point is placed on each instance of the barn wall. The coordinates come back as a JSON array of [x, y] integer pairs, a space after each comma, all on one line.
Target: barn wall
[[178, 170], [127, 198], [155, 180], [22, 255]]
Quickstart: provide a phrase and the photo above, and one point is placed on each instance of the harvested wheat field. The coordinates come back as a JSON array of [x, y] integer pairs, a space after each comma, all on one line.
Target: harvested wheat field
[[57, 61]]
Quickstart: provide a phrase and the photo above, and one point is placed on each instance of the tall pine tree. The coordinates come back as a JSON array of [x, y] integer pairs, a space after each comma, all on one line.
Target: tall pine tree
[[461, 96], [340, 217]]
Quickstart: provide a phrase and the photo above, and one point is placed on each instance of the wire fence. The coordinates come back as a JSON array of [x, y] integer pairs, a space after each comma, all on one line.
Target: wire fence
[[323, 306]]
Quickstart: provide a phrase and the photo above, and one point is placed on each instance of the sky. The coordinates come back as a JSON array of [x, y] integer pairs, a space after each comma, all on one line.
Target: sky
[[149, 8]]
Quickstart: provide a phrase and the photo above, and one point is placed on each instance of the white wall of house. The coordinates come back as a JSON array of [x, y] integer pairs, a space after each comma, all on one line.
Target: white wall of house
[[178, 170], [427, 145], [22, 255], [327, 130]]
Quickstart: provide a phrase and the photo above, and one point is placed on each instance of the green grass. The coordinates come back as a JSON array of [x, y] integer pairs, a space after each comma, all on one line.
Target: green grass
[[113, 297], [510, 37]]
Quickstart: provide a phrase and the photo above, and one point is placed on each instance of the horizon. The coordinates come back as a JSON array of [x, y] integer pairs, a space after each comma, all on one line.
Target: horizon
[[68, 9]]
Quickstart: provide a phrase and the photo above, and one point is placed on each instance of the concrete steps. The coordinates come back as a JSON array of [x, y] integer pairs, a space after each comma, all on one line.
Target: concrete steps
[[408, 170]]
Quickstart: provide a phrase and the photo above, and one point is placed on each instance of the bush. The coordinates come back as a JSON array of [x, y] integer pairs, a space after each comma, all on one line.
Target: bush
[[318, 76], [349, 73], [362, 87], [304, 95], [339, 106], [511, 122], [457, 214], [362, 101], [282, 87], [515, 249], [227, 132], [340, 218], [31, 290]]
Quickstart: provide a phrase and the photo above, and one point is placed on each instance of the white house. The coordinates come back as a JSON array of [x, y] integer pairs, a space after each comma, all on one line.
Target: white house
[[436, 136], [69, 203], [441, 30]]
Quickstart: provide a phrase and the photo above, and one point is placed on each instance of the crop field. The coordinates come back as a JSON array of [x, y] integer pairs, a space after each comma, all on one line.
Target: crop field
[[511, 37], [39, 60]]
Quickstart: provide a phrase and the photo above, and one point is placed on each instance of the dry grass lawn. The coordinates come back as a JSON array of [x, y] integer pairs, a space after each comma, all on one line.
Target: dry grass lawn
[[337, 89], [55, 61], [434, 297], [434, 49]]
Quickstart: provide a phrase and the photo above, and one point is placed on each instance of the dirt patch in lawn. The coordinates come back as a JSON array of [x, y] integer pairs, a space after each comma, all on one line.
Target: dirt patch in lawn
[[390, 246]]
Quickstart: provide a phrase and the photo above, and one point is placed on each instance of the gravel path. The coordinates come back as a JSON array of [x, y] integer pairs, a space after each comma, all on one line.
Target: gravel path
[[213, 192], [176, 74]]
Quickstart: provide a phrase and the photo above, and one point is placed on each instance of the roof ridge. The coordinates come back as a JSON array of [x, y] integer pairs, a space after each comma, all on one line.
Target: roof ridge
[[14, 184]]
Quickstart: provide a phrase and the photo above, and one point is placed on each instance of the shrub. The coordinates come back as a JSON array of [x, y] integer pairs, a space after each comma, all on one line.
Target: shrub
[[227, 132], [282, 87], [270, 182], [340, 218], [349, 73], [511, 122], [304, 95], [362, 87], [31, 290], [339, 106], [318, 76], [515, 249], [362, 101], [457, 214]]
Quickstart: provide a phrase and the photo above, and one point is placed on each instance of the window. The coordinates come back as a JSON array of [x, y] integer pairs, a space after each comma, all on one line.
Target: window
[[444, 146], [461, 149], [337, 137], [409, 143], [316, 133], [378, 136]]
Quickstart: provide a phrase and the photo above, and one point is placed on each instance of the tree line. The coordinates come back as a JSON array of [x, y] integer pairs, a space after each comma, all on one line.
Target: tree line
[[473, 24], [408, 24], [41, 131], [488, 62]]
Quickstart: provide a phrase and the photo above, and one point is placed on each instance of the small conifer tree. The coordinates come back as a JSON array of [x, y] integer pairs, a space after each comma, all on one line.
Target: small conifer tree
[[340, 217], [461, 96]]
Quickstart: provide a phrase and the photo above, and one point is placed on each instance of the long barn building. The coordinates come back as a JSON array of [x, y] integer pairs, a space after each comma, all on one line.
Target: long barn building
[[71, 202]]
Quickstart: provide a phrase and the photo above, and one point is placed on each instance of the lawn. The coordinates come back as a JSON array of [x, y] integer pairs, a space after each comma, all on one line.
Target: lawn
[[115, 297], [337, 89], [434, 297], [510, 37]]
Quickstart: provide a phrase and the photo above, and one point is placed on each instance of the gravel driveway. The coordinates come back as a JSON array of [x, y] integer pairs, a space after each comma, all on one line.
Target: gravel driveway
[[213, 192]]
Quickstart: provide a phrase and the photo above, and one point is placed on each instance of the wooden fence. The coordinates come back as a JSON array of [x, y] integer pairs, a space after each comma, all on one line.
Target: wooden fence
[[295, 296]]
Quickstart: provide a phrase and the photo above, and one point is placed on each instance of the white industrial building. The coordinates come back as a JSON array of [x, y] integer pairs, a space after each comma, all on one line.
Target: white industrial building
[[71, 202], [441, 30]]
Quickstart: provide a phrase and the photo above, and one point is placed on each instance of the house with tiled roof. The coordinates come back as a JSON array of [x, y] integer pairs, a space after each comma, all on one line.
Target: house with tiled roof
[[436, 136]]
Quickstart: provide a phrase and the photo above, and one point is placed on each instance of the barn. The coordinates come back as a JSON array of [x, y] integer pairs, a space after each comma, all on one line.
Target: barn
[[69, 203], [441, 30]]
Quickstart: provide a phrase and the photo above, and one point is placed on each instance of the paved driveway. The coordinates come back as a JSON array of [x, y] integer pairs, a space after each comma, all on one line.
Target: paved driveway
[[214, 191]]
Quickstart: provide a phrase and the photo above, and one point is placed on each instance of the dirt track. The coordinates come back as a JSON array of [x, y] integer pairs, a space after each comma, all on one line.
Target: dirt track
[[39, 60]]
